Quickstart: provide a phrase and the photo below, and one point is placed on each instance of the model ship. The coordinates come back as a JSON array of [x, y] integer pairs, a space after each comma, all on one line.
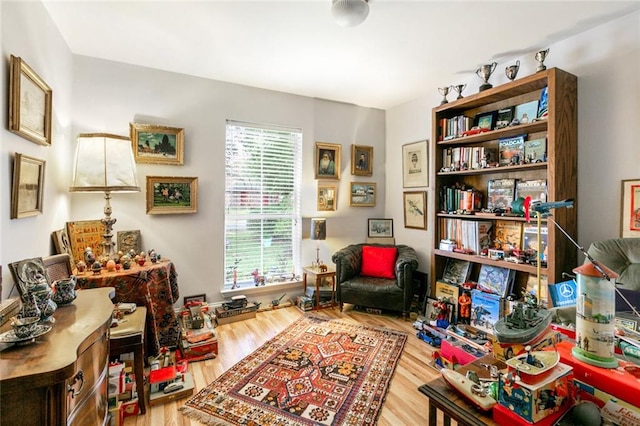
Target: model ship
[[523, 324], [474, 392], [532, 365]]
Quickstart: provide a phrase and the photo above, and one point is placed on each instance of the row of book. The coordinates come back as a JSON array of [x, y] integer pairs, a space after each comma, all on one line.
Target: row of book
[[468, 157], [500, 195], [454, 127], [507, 235]]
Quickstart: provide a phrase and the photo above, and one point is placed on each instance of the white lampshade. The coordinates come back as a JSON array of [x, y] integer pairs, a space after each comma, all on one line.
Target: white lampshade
[[104, 163], [349, 13]]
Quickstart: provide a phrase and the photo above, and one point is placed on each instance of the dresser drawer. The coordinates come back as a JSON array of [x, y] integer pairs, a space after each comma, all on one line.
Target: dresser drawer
[[91, 371], [93, 409]]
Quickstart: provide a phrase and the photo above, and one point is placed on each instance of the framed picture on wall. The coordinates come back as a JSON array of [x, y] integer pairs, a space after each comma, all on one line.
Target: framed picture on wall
[[361, 160], [172, 195], [153, 144], [28, 186], [415, 206], [363, 194], [380, 228], [630, 220], [30, 100], [327, 197], [415, 165], [327, 160]]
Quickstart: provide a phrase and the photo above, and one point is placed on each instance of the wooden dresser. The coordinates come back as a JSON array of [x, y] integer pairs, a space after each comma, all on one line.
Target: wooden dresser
[[61, 378]]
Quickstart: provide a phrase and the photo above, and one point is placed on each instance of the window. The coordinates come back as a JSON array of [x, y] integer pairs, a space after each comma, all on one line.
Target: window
[[262, 203]]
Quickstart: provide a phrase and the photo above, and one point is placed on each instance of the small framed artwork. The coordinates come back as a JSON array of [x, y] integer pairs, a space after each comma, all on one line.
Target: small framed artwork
[[195, 298], [327, 197], [129, 240], [361, 160], [527, 112], [30, 100], [154, 144], [172, 195], [363, 194], [504, 117], [28, 186], [62, 244], [380, 228], [86, 233], [630, 220], [415, 205], [327, 160], [486, 120], [415, 163]]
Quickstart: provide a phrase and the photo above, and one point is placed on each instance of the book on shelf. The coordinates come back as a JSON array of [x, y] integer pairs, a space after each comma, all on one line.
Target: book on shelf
[[511, 150], [508, 235], [486, 310], [543, 103], [563, 293], [535, 150], [447, 292], [500, 193], [505, 116], [532, 288], [495, 279], [474, 235], [456, 271], [530, 238], [526, 112], [536, 189]]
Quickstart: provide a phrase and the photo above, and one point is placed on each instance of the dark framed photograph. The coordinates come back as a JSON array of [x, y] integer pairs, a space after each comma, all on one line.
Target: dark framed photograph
[[327, 160], [195, 298], [28, 186], [415, 165], [504, 118], [172, 195], [380, 228], [363, 194], [630, 209], [361, 160], [153, 144], [486, 120], [415, 206], [30, 100], [327, 197]]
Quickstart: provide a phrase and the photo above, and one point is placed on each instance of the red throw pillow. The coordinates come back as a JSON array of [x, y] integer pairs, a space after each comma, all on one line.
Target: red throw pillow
[[379, 262]]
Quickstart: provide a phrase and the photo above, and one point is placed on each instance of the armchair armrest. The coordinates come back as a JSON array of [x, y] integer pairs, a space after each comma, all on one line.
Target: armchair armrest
[[348, 262], [406, 263]]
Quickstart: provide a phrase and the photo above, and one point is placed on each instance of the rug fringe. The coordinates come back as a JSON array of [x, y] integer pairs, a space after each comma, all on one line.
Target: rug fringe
[[202, 417]]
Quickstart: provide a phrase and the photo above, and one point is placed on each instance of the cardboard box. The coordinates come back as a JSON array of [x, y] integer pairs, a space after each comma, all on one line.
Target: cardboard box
[[226, 316], [157, 398], [304, 303], [198, 349], [507, 351], [534, 402], [503, 416], [160, 378], [586, 392], [116, 415], [453, 351], [621, 382], [130, 408]]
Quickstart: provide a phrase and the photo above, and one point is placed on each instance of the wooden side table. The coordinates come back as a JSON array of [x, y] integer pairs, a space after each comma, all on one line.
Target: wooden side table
[[320, 276]]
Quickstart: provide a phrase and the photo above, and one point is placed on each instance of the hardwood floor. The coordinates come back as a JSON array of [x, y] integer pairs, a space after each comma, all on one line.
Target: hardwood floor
[[404, 404]]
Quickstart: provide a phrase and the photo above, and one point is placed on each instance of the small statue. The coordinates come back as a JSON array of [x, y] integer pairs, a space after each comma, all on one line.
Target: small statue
[[464, 302]]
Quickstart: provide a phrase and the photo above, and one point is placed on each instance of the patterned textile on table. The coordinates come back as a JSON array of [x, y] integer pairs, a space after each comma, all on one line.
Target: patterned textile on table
[[317, 371], [155, 286]]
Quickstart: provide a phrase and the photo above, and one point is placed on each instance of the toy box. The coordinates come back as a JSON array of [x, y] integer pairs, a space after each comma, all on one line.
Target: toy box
[[156, 398], [534, 402], [454, 351], [503, 416], [505, 351], [586, 392], [304, 303], [622, 382]]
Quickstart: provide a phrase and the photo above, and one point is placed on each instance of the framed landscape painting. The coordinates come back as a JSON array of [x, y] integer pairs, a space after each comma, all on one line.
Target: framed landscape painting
[[28, 186], [172, 195], [380, 228], [30, 100], [630, 221], [363, 194], [154, 144]]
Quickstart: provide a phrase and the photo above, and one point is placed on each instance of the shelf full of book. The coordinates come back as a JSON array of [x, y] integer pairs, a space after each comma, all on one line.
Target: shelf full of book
[[535, 155]]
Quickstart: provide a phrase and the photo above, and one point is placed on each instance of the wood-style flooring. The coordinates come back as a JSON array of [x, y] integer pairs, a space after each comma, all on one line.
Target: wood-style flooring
[[404, 404]]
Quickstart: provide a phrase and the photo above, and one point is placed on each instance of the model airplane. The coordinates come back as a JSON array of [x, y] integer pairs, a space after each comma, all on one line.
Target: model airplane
[[545, 208]]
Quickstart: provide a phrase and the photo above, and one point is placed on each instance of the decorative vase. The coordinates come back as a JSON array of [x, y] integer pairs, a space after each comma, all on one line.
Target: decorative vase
[[29, 307], [64, 291], [46, 305]]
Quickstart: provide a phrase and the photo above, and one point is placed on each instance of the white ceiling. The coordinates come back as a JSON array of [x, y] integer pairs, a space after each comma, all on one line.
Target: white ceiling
[[403, 50]]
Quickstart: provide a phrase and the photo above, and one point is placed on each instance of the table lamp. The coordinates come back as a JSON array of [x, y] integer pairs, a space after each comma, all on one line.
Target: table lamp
[[318, 233], [104, 163]]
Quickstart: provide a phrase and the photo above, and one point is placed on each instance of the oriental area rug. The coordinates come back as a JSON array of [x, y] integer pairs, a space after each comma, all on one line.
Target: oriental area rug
[[318, 371]]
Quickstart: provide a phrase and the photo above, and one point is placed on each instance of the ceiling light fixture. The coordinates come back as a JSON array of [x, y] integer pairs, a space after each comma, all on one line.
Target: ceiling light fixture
[[349, 13]]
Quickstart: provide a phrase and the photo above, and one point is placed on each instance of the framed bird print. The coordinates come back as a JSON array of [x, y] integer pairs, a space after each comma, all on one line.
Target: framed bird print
[[415, 206]]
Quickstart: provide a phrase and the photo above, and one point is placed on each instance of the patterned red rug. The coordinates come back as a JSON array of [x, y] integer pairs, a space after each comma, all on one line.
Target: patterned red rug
[[317, 371]]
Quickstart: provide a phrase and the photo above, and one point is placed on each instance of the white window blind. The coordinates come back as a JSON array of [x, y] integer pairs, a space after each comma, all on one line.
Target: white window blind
[[262, 202]]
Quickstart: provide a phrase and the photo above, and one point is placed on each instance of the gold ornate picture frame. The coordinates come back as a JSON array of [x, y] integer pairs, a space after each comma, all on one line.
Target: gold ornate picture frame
[[415, 164], [363, 194], [415, 209], [27, 187], [327, 160], [83, 234], [327, 197], [153, 144], [172, 195], [361, 160], [30, 100]]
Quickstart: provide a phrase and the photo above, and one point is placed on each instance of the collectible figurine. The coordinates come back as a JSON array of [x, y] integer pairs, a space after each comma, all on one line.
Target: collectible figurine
[[464, 303]]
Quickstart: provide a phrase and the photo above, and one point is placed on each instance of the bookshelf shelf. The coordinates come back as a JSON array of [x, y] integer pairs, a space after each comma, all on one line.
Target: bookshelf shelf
[[560, 169]]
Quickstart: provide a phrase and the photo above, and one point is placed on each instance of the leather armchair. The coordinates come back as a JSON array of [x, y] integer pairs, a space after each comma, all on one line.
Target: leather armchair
[[392, 294]]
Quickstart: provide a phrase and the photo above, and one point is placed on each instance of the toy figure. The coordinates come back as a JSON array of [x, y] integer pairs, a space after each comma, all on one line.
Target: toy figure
[[464, 303], [442, 311]]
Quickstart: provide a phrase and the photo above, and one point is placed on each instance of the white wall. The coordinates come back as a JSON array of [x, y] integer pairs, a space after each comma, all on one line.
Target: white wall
[[606, 61], [27, 32]]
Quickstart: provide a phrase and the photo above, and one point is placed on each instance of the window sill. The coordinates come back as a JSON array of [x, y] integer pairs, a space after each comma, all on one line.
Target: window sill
[[264, 289]]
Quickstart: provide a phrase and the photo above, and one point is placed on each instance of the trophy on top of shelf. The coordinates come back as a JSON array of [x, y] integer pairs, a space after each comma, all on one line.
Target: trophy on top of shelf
[[444, 91], [512, 70], [484, 72], [540, 57], [459, 88]]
